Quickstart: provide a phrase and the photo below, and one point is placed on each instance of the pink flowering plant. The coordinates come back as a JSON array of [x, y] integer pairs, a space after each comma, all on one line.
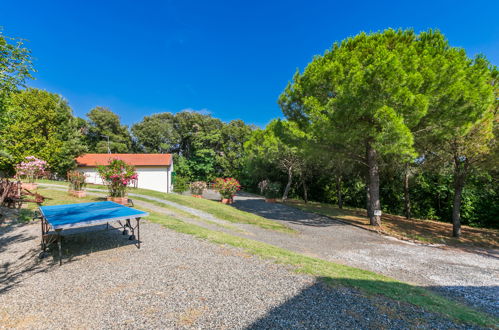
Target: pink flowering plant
[[117, 176], [197, 187], [227, 187], [76, 180], [30, 169]]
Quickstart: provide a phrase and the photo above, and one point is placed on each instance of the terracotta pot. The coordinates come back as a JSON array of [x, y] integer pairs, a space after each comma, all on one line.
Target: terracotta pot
[[270, 200], [225, 200], [29, 185], [197, 196], [78, 193], [119, 200]]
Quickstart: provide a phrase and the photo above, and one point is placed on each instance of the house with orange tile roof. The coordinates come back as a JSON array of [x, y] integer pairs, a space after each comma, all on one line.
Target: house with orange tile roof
[[155, 171]]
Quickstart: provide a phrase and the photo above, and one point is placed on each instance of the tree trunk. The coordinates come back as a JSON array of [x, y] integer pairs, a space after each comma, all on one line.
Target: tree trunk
[[368, 197], [288, 186], [305, 194], [459, 180], [407, 198], [338, 191], [375, 205]]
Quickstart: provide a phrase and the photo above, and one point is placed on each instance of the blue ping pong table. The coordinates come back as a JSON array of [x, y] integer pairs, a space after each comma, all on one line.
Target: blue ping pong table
[[60, 217]]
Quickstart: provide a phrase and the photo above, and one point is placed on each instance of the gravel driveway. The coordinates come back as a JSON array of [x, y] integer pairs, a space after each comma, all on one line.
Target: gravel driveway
[[173, 281], [472, 278], [469, 277]]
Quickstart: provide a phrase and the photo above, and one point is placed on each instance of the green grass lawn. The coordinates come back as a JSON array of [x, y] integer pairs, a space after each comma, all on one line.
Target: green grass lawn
[[369, 283], [218, 210]]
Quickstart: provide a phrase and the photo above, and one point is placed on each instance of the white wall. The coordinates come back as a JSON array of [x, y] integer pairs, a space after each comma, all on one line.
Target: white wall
[[150, 177]]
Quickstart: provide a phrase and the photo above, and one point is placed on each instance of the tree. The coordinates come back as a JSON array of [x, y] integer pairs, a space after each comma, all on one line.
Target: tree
[[105, 130], [39, 123], [365, 93], [279, 145], [156, 133], [15, 67], [230, 158], [458, 128]]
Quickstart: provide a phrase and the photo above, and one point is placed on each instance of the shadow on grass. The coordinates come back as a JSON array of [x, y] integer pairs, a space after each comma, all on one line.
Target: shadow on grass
[[320, 306]]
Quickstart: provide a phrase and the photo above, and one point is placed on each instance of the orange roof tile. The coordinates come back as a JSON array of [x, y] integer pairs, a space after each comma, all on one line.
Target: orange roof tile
[[132, 159]]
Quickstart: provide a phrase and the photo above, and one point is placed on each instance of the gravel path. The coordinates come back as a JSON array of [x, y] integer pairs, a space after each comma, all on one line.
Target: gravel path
[[173, 281], [471, 278]]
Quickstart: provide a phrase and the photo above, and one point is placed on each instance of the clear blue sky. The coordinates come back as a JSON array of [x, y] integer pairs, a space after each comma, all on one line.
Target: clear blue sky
[[230, 58]]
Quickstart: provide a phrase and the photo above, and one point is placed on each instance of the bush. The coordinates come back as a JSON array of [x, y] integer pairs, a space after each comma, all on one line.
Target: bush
[[272, 190], [197, 187], [31, 168], [117, 175], [227, 187], [181, 184], [76, 180]]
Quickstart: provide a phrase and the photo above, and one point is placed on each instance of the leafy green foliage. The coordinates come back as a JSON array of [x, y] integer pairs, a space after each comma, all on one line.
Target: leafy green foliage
[[272, 190], [380, 98], [117, 175], [156, 133], [39, 123], [15, 67], [104, 124], [180, 184], [279, 145], [204, 147]]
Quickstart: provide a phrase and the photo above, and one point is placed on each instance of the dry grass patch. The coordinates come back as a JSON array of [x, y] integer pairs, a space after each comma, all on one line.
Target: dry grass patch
[[426, 231]]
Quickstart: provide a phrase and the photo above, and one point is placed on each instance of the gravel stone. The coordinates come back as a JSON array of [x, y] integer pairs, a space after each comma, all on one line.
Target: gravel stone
[[173, 281], [472, 278]]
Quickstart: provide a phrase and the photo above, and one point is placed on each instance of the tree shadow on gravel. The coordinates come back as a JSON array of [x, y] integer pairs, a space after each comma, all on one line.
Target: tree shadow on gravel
[[320, 306], [76, 243], [279, 212]]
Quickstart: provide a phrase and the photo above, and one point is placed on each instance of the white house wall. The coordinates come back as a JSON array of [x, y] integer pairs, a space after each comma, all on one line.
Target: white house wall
[[156, 178]]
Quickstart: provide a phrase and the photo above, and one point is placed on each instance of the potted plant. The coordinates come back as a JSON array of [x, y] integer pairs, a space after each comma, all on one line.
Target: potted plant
[[272, 192], [197, 188], [77, 184], [117, 176], [29, 170], [227, 188]]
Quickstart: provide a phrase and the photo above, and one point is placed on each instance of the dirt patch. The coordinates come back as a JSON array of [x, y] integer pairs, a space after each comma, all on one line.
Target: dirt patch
[[422, 231]]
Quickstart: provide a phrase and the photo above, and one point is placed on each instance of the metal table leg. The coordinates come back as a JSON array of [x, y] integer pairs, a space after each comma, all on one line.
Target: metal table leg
[[138, 232], [42, 221], [45, 239], [58, 231]]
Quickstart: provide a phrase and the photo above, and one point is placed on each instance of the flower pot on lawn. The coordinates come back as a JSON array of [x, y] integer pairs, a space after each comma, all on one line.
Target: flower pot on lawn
[[78, 193], [227, 188], [197, 188], [76, 184], [118, 175], [119, 200], [29, 185], [270, 200]]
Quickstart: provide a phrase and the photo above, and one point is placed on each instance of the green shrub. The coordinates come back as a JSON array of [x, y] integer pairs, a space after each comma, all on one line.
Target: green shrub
[[272, 190], [181, 184]]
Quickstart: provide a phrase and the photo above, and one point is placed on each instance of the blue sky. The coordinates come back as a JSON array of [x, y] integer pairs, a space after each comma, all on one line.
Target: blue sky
[[231, 59]]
